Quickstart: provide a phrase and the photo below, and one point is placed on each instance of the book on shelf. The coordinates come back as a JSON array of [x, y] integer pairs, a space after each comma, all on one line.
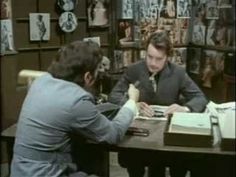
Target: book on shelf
[[190, 123]]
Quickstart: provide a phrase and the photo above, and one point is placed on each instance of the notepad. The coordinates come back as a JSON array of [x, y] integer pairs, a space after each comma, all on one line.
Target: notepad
[[190, 123]]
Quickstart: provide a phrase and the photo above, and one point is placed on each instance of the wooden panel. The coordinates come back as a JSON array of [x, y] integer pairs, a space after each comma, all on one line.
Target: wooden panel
[[22, 8], [46, 59], [21, 36], [49, 6], [28, 60]]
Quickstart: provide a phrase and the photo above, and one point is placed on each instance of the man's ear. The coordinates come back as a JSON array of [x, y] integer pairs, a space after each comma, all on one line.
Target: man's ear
[[88, 78]]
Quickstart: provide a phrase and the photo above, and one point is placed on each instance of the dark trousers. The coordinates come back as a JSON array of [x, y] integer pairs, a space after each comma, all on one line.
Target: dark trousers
[[135, 164]]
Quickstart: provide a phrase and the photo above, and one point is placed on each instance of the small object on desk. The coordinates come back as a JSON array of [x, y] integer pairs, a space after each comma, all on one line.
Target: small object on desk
[[135, 131], [158, 113]]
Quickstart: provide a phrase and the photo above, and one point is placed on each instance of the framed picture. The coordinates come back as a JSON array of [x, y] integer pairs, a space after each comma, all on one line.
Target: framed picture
[[67, 5], [68, 22], [194, 62], [224, 3], [212, 66], [7, 44], [198, 34], [118, 64], [125, 32], [179, 56], [98, 12], [184, 8], [169, 9], [127, 57], [6, 12], [127, 9], [39, 26], [7, 41], [212, 10]]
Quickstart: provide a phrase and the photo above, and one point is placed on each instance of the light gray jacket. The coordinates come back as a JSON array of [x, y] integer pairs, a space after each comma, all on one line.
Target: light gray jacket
[[53, 109]]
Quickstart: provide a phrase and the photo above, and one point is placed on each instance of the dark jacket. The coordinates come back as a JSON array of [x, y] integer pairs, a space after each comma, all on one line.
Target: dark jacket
[[173, 81]]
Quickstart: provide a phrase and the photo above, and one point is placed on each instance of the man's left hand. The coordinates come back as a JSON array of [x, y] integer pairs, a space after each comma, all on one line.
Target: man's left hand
[[176, 108]]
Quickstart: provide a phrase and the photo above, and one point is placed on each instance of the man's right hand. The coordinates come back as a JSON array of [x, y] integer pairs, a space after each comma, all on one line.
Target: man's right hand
[[133, 93], [145, 109]]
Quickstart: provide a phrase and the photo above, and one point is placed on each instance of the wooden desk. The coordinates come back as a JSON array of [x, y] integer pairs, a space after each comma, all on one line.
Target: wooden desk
[[153, 147]]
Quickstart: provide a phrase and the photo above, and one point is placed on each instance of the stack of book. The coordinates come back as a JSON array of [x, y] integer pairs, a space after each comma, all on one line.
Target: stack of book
[[189, 129]]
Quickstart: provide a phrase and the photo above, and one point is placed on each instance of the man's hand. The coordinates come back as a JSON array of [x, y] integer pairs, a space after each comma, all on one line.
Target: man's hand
[[133, 93], [176, 108], [145, 109]]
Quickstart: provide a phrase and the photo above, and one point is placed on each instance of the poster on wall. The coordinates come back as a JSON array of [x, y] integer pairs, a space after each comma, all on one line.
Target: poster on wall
[[212, 66], [184, 8], [179, 57], [7, 41], [194, 60], [39, 26], [127, 9], [98, 11]]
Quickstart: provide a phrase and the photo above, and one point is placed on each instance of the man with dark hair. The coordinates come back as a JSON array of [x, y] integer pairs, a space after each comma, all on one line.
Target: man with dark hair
[[59, 104], [161, 83]]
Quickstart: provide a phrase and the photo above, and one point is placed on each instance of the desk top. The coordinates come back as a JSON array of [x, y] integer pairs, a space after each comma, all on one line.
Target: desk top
[[153, 142]]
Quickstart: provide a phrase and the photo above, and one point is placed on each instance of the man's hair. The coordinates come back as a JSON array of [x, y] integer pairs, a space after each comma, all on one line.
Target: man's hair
[[74, 60], [161, 41]]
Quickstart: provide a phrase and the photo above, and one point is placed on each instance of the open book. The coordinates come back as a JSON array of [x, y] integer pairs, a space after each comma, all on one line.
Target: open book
[[158, 113], [190, 123]]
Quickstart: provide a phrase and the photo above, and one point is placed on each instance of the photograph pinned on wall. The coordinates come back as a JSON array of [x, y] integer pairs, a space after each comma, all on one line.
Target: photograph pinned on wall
[[125, 32], [226, 16], [127, 57], [184, 8], [39, 26], [212, 10], [7, 43], [6, 12], [94, 39], [212, 66], [225, 3], [166, 23], [200, 14], [180, 30], [118, 60], [127, 9], [67, 5], [198, 34], [194, 60], [68, 22], [169, 9], [211, 31], [223, 35], [147, 27], [98, 13], [179, 57]]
